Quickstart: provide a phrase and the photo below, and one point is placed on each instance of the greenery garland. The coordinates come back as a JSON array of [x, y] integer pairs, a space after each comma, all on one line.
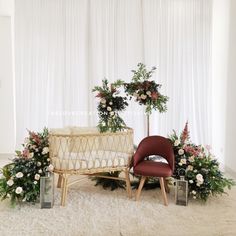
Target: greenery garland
[[20, 180], [110, 104]]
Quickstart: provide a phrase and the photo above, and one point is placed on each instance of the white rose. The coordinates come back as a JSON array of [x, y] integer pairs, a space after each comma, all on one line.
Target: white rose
[[194, 197], [143, 96], [177, 142], [112, 113], [50, 168], [199, 177], [19, 190], [109, 109], [37, 176], [19, 175], [10, 182], [180, 164], [40, 171], [39, 163], [31, 155], [149, 93], [194, 192], [200, 155], [190, 181], [35, 182], [183, 161], [191, 159], [110, 103], [45, 150], [103, 106], [103, 101], [190, 168], [181, 151]]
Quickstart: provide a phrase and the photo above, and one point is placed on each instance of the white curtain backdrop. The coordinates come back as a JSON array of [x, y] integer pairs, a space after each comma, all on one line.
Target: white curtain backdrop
[[64, 48]]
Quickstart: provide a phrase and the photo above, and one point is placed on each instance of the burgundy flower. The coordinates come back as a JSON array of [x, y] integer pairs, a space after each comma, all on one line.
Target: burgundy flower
[[100, 95], [154, 95]]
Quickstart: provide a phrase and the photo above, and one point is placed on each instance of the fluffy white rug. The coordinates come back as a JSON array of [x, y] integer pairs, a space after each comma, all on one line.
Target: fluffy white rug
[[93, 211]]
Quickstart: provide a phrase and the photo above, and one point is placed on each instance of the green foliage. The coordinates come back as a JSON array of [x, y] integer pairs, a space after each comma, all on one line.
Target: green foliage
[[150, 183], [201, 170], [109, 106], [20, 179], [109, 183], [145, 91]]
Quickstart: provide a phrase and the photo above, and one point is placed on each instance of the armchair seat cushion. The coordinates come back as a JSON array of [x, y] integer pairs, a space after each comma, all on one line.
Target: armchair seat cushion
[[152, 168]]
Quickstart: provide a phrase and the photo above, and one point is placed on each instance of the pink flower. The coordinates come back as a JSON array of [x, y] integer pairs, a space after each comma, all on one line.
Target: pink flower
[[192, 150], [35, 137], [25, 153], [185, 133]]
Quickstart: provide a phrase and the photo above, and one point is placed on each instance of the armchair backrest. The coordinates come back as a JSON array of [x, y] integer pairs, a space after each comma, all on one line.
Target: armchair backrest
[[155, 145]]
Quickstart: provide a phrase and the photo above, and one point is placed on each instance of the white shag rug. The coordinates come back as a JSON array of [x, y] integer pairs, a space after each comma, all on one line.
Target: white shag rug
[[93, 211]]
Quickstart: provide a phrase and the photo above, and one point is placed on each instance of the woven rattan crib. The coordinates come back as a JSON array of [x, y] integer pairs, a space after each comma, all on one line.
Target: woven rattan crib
[[86, 151]]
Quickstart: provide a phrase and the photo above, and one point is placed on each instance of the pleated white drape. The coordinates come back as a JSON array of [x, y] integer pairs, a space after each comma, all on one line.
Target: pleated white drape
[[64, 48]]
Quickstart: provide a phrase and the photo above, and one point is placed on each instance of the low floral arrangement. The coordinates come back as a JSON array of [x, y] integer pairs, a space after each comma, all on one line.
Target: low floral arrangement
[[146, 91], [110, 104], [199, 167], [20, 180]]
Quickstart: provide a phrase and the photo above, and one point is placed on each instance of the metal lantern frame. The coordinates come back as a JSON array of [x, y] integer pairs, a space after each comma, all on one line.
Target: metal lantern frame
[[47, 190], [181, 191]]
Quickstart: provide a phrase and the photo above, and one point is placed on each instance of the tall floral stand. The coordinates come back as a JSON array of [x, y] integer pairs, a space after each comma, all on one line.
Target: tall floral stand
[[148, 124]]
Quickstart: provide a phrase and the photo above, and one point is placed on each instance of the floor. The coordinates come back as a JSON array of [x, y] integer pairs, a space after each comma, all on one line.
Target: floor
[[94, 211]]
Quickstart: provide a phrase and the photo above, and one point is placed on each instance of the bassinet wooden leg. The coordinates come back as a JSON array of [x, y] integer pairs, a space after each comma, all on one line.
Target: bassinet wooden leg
[[128, 185], [59, 181], [64, 190]]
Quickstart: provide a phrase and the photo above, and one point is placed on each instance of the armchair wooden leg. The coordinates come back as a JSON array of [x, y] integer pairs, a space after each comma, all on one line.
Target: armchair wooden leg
[[128, 185], [163, 191], [142, 181], [166, 186]]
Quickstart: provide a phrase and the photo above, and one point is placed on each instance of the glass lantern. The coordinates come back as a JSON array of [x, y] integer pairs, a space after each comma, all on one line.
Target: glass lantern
[[47, 190], [181, 191]]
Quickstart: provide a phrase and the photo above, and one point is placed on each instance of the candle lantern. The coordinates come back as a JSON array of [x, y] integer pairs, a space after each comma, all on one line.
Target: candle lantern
[[47, 190], [181, 191]]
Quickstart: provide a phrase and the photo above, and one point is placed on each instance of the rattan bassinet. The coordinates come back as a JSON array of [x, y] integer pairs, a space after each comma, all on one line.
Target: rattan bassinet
[[86, 151]]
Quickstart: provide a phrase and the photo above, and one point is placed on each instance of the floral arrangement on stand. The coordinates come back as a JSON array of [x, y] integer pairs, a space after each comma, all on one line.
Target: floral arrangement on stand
[[146, 91], [110, 104], [20, 180], [200, 168]]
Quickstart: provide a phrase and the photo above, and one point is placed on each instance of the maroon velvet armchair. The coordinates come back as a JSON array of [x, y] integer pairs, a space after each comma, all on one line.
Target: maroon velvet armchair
[[154, 145]]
